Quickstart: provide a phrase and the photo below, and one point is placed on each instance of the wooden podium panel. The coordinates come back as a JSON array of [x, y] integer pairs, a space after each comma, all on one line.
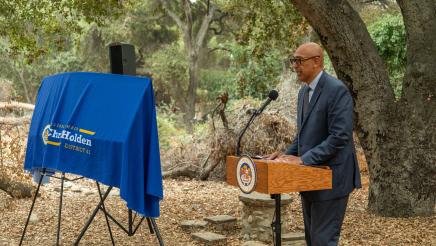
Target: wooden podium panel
[[276, 177]]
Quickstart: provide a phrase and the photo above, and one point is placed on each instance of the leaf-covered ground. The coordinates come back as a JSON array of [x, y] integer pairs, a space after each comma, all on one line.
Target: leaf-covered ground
[[184, 200]]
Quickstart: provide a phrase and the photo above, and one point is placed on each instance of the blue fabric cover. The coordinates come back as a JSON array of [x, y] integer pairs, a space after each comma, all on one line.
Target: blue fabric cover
[[103, 127]]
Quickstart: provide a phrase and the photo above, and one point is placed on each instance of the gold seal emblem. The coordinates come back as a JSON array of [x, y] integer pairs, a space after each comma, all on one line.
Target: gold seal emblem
[[246, 174], [45, 134]]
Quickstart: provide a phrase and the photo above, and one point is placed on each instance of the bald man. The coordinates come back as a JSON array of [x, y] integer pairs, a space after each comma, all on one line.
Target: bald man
[[324, 137]]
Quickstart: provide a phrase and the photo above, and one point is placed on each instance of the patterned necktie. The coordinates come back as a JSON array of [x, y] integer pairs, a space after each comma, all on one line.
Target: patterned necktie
[[306, 101]]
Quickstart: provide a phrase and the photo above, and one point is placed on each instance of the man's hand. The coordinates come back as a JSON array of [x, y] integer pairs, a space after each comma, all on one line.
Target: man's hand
[[273, 156], [290, 158]]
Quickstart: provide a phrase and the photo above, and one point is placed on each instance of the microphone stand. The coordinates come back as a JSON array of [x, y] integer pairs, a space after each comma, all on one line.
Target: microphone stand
[[238, 145]]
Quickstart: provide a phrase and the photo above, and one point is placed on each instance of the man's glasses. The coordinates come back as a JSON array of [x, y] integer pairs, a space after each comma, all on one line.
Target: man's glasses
[[299, 60]]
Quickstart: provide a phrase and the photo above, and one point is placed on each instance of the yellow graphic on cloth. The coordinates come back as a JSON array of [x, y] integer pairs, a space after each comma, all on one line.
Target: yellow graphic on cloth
[[86, 131], [53, 143]]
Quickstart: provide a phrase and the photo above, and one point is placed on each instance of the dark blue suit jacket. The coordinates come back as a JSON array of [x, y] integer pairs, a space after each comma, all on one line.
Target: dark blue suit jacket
[[325, 137]]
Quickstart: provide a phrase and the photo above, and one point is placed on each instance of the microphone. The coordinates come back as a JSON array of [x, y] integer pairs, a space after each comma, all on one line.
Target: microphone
[[272, 96]]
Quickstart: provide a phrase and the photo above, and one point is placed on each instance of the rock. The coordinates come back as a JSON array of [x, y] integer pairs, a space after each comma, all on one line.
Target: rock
[[34, 218], [193, 225], [292, 236], [222, 222], [264, 200], [195, 207], [257, 214], [250, 219], [220, 219], [76, 189], [295, 243], [114, 192], [89, 192], [209, 238], [254, 243]]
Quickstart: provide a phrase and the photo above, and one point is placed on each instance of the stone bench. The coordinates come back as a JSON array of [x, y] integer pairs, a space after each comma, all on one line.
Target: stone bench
[[257, 214]]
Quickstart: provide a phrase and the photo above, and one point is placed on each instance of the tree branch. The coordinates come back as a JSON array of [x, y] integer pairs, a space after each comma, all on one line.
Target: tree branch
[[219, 48], [186, 5], [204, 27], [14, 120], [16, 105], [172, 14]]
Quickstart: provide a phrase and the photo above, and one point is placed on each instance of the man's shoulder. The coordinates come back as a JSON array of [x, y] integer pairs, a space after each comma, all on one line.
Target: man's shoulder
[[333, 82]]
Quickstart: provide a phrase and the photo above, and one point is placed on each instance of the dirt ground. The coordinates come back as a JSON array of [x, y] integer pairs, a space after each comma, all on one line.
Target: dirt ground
[[186, 200]]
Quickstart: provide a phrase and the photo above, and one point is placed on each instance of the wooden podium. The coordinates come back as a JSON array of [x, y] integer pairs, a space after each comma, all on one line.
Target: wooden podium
[[276, 177]]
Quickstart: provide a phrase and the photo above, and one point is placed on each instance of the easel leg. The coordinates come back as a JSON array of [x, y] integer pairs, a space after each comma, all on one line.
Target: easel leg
[[159, 238], [31, 207], [130, 222], [60, 209], [150, 226], [105, 214], [82, 233]]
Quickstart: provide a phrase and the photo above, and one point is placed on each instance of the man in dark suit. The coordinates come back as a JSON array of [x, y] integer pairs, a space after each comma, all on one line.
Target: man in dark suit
[[324, 137]]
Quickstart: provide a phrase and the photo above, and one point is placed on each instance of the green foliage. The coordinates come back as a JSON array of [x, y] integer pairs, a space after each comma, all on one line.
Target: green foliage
[[167, 131], [55, 36], [213, 82], [91, 49], [267, 24], [41, 37], [172, 133], [144, 25], [27, 77], [169, 70], [33, 27], [255, 76], [389, 35], [246, 75]]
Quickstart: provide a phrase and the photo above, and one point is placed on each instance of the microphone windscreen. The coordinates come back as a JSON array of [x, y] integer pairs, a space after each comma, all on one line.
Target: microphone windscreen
[[273, 94]]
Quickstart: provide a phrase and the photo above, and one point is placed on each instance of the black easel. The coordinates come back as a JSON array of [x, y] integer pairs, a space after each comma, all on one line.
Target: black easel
[[63, 179], [276, 225], [131, 231], [131, 221]]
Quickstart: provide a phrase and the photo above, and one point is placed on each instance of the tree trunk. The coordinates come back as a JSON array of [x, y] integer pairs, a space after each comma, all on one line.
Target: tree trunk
[[23, 83], [189, 171], [193, 44], [398, 137], [193, 84]]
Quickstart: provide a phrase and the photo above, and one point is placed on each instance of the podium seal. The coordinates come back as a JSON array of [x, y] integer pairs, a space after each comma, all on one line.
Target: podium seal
[[246, 174]]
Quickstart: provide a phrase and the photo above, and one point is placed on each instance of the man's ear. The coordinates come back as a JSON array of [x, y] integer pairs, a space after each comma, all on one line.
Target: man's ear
[[318, 61]]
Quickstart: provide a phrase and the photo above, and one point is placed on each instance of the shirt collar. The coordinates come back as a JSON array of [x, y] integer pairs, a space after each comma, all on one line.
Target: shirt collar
[[314, 82]]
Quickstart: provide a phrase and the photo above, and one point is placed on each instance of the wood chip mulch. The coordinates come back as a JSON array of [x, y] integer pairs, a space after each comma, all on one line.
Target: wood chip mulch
[[187, 200]]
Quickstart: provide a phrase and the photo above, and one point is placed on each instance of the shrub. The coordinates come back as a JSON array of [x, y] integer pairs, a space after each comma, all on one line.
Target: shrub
[[389, 35]]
